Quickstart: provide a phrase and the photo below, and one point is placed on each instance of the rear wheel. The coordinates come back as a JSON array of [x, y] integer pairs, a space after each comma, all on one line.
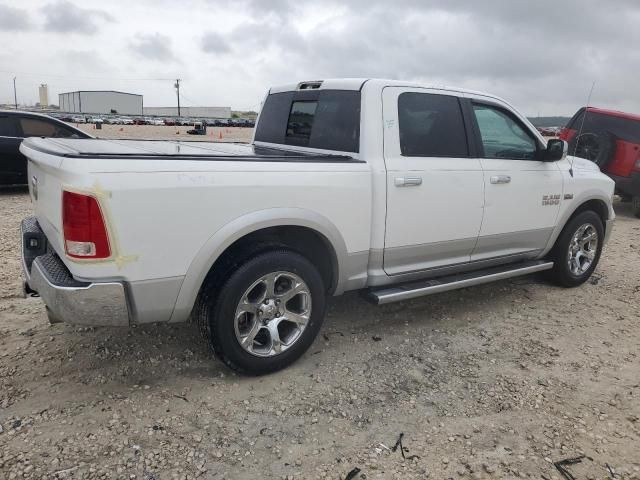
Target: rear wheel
[[267, 314], [577, 250]]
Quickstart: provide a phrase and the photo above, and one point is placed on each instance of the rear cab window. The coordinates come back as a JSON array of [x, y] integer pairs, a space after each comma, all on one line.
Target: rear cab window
[[322, 119]]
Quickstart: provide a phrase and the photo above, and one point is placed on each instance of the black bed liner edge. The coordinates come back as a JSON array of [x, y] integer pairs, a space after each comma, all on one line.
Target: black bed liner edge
[[301, 157]]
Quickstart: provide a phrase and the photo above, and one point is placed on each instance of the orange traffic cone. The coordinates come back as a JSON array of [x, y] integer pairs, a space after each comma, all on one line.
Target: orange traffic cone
[[220, 135]]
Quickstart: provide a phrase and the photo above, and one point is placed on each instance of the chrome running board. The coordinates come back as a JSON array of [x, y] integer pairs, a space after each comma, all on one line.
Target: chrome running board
[[405, 291]]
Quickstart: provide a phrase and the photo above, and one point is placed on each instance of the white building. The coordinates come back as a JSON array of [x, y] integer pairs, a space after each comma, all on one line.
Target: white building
[[101, 101], [199, 112]]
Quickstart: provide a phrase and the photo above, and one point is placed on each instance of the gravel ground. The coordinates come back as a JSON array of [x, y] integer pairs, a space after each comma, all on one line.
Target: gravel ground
[[497, 381]]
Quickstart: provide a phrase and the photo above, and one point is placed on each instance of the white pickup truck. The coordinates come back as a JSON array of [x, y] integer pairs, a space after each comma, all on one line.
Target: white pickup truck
[[389, 187]]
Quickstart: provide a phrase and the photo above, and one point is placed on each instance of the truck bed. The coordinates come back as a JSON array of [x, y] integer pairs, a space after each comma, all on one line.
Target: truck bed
[[168, 206], [174, 150]]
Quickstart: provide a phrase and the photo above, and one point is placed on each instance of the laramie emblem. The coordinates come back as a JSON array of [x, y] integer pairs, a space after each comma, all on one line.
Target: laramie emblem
[[550, 200]]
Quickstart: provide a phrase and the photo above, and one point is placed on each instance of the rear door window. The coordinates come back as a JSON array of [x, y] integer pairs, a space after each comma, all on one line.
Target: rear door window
[[323, 119], [35, 127], [8, 127], [431, 126], [63, 132]]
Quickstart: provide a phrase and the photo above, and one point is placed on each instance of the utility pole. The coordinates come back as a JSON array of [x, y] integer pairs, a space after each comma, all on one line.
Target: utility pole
[[177, 85], [15, 95]]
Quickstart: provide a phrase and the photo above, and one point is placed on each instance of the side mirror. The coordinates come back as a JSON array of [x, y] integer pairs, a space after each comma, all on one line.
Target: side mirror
[[556, 150]]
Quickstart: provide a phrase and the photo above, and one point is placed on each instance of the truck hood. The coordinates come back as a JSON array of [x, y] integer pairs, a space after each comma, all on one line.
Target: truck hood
[[582, 164]]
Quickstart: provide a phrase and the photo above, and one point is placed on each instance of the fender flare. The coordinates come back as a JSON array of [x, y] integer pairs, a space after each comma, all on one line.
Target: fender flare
[[583, 198], [244, 225]]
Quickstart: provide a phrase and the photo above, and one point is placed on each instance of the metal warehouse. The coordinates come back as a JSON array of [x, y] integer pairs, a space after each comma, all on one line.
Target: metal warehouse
[[104, 101]]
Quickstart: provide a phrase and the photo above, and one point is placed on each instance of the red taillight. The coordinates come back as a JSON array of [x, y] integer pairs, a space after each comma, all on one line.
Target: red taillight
[[85, 234], [567, 134]]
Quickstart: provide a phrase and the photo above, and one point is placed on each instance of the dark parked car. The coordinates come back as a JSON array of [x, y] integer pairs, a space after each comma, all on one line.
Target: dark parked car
[[611, 139], [16, 125]]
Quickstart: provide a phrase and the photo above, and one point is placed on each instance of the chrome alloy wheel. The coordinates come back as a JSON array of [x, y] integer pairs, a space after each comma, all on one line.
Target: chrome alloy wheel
[[272, 314], [582, 249]]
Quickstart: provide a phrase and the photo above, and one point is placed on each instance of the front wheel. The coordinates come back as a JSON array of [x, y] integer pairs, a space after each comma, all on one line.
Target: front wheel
[[267, 314], [577, 250]]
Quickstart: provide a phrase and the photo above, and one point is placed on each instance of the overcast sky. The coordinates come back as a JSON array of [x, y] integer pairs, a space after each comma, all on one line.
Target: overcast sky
[[541, 55]]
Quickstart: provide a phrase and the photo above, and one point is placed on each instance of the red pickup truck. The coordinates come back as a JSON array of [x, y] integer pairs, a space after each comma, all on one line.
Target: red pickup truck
[[611, 139]]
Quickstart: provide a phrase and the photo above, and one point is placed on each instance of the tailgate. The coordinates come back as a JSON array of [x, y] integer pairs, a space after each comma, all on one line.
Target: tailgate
[[46, 177]]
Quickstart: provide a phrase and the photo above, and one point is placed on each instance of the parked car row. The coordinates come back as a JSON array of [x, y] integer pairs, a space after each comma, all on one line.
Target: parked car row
[[169, 121], [549, 131]]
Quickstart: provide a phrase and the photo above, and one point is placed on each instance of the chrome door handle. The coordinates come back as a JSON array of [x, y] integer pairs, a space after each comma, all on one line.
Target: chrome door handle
[[408, 181], [498, 179]]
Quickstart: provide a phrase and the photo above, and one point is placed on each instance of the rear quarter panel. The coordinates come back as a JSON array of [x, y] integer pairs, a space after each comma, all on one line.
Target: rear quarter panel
[[161, 213]]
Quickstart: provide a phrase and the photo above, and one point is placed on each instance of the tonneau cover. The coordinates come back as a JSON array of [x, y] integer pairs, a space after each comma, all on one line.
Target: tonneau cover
[[169, 149]]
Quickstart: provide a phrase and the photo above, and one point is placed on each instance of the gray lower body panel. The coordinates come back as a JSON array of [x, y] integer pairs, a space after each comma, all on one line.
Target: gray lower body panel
[[608, 228], [153, 300], [511, 243], [414, 258]]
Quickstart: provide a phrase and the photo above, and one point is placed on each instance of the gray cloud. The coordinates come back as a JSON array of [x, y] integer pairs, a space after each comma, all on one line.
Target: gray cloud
[[213, 42], [13, 19], [65, 17], [523, 52], [153, 46], [542, 56], [275, 8]]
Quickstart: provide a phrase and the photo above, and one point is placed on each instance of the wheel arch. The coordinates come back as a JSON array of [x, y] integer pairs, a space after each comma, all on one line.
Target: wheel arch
[[595, 202], [302, 225]]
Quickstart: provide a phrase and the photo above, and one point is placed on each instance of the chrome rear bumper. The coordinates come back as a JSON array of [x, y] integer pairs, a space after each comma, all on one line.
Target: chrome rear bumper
[[67, 299]]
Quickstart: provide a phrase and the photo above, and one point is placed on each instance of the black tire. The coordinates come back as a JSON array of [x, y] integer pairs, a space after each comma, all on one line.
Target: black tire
[[217, 310], [636, 206], [597, 147], [561, 274]]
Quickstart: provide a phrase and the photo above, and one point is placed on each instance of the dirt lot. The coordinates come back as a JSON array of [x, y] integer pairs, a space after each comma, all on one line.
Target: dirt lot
[[497, 381], [214, 134]]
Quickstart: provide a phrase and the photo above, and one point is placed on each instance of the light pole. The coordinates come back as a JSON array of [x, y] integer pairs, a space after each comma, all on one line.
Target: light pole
[[177, 85], [15, 95]]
